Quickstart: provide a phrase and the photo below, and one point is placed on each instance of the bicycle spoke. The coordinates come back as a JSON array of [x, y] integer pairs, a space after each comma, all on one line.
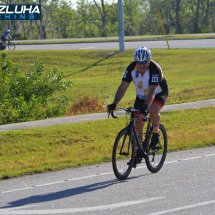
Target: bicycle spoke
[[123, 143]]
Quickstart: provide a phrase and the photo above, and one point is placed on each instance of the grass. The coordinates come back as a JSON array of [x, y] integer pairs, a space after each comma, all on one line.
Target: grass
[[58, 147], [140, 38], [190, 73]]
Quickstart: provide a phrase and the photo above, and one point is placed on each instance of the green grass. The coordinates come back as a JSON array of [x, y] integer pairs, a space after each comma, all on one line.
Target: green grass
[[142, 38], [190, 73], [51, 148]]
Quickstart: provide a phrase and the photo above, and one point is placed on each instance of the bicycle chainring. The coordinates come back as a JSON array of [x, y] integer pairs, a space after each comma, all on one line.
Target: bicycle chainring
[[138, 156]]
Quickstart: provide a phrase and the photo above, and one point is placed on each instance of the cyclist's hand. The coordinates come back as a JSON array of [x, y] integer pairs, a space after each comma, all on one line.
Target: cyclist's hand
[[143, 110], [111, 107]]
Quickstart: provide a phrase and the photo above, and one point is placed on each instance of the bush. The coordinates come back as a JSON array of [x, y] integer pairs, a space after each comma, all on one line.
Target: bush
[[18, 36], [86, 105], [26, 97]]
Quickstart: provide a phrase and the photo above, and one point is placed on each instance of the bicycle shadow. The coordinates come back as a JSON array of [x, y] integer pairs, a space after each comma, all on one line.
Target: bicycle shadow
[[65, 193], [110, 55]]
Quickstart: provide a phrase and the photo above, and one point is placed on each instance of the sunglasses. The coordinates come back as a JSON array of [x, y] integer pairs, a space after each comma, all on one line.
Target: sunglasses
[[144, 62]]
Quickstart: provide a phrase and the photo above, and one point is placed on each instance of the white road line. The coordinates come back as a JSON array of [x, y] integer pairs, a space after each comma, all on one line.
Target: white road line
[[13, 210], [57, 182], [184, 208], [101, 174], [88, 48]]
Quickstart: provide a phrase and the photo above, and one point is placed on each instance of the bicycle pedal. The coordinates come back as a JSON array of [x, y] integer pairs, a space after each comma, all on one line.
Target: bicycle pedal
[[153, 148], [134, 164]]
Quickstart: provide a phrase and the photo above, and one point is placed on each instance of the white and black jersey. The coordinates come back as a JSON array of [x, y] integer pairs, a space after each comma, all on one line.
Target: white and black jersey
[[152, 76]]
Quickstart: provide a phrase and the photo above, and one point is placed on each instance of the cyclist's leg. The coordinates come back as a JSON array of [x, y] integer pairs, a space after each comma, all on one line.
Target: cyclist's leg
[[3, 40], [138, 122], [154, 111]]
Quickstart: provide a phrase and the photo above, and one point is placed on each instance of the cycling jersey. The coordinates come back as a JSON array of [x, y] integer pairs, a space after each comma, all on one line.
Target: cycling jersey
[[3, 36], [152, 76]]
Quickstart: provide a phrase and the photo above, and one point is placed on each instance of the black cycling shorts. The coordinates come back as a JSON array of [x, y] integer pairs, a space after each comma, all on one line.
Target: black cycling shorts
[[160, 99]]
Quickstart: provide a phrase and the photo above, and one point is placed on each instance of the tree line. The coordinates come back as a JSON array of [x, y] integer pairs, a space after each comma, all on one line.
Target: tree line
[[99, 18]]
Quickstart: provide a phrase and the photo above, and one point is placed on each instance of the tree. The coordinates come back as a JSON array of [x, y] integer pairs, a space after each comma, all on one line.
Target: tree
[[132, 17], [196, 28], [102, 14], [61, 16], [177, 10], [99, 18]]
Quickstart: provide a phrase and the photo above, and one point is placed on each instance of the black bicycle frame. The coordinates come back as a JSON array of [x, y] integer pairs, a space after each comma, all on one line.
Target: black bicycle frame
[[132, 129]]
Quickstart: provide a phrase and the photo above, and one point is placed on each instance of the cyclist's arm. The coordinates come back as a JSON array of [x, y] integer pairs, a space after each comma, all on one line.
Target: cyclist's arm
[[151, 94], [121, 91]]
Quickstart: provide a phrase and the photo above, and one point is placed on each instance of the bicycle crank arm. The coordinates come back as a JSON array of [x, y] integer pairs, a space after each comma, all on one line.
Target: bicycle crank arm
[[143, 154], [123, 153], [152, 152]]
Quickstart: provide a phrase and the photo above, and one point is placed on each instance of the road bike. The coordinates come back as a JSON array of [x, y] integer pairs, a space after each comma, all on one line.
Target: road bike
[[123, 156], [10, 45]]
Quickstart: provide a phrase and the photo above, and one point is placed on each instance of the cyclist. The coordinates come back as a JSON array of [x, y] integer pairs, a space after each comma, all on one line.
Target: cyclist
[[4, 37], [151, 91]]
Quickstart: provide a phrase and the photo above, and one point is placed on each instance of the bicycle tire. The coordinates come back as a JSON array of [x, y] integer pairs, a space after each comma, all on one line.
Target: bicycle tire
[[156, 159], [123, 154], [11, 46]]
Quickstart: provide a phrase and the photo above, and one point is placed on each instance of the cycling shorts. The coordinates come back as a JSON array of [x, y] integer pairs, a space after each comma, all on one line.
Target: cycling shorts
[[3, 38], [160, 99]]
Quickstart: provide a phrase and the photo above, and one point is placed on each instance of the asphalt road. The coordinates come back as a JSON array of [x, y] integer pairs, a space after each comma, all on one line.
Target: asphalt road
[[191, 43], [184, 185]]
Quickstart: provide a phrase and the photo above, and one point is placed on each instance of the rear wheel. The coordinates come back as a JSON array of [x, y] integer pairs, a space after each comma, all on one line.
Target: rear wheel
[[123, 154], [156, 156], [11, 46]]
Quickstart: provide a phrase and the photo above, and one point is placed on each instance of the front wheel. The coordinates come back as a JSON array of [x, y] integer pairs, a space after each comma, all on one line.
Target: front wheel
[[11, 46], [156, 157], [123, 154]]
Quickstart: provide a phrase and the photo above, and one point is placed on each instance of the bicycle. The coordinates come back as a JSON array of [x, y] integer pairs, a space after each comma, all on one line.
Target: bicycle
[[11, 45], [123, 156]]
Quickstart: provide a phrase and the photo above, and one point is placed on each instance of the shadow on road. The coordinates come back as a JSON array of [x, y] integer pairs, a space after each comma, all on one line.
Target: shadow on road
[[66, 193]]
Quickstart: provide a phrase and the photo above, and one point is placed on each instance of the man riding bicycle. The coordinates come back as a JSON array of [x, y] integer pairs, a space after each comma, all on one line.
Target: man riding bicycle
[[151, 91], [4, 37]]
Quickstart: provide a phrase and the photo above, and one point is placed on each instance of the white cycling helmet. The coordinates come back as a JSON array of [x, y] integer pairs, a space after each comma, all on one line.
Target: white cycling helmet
[[142, 54], [8, 30]]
